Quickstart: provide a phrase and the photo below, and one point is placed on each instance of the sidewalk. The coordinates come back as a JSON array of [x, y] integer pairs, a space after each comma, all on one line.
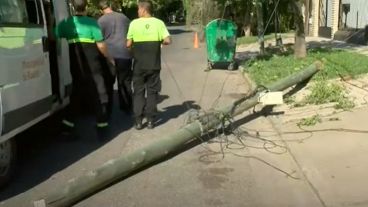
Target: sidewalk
[[324, 165], [312, 42], [333, 160]]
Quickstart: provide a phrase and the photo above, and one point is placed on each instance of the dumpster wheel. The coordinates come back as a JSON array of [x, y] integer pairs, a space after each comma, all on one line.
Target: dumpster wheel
[[232, 66], [209, 66]]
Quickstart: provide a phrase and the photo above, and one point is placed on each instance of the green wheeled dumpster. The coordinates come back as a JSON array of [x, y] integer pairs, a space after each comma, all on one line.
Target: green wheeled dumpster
[[221, 43]]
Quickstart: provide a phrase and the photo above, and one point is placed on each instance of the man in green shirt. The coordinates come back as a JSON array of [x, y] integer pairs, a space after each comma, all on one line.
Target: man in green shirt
[[86, 66], [145, 36]]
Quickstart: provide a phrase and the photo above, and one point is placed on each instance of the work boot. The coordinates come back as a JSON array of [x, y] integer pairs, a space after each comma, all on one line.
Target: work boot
[[138, 124], [68, 131], [150, 123], [103, 131]]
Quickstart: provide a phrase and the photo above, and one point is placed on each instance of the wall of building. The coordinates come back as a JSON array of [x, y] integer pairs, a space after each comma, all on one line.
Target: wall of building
[[358, 15], [325, 13]]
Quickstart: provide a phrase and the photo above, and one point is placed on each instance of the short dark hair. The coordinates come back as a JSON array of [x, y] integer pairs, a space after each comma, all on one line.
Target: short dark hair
[[103, 4], [147, 5], [80, 5]]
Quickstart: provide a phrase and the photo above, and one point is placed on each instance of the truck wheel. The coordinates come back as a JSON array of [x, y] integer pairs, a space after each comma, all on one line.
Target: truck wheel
[[7, 160]]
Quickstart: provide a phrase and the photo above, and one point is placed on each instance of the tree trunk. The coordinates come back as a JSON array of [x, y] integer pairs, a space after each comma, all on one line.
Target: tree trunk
[[260, 27], [189, 13], [300, 48], [247, 21], [307, 16], [341, 12]]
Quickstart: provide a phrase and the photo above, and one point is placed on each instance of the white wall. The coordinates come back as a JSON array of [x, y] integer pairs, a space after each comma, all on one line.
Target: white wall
[[329, 16], [360, 6], [327, 12]]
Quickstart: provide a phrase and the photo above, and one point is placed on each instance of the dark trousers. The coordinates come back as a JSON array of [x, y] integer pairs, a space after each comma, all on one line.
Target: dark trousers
[[124, 76], [146, 86], [88, 83], [122, 71]]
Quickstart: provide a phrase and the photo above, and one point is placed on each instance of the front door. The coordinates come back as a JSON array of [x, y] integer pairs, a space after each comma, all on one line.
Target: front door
[[24, 70]]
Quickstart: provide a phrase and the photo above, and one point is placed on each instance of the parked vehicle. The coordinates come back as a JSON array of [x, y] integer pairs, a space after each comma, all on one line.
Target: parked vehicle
[[35, 79]]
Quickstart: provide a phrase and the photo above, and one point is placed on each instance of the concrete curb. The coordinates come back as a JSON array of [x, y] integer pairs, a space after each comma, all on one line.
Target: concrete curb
[[250, 83]]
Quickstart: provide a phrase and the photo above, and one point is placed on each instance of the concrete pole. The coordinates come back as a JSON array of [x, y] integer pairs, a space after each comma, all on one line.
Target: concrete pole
[[119, 168]]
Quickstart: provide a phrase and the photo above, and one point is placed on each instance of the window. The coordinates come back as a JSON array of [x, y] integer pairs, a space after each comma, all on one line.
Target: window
[[21, 12], [34, 12], [13, 11]]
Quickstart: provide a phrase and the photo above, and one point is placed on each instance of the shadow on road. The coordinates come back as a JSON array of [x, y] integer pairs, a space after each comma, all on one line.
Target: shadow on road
[[173, 112], [41, 152], [331, 44], [193, 142], [178, 31]]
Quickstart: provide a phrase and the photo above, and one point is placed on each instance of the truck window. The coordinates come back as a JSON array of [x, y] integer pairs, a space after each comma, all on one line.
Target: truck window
[[13, 12], [34, 12], [24, 12]]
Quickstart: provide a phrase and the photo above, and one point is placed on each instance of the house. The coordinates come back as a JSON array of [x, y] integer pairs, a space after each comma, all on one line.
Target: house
[[333, 18]]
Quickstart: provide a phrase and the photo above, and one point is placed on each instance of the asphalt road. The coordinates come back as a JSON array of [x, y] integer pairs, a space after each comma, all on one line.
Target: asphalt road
[[46, 161], [257, 165]]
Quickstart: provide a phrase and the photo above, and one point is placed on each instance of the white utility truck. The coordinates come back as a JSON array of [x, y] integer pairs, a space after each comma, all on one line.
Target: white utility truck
[[35, 80]]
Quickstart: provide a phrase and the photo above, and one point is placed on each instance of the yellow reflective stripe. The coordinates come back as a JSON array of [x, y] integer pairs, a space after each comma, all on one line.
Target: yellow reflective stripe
[[82, 40], [37, 41], [68, 123], [101, 125]]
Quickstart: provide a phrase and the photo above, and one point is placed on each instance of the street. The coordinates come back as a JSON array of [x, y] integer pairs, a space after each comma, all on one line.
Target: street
[[46, 162]]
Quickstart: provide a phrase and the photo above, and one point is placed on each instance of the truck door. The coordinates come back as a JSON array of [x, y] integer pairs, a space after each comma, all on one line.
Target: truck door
[[61, 11], [24, 72]]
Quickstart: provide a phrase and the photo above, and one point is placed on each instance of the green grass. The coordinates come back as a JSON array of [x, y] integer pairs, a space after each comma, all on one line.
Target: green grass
[[254, 39], [325, 92], [311, 121], [336, 62]]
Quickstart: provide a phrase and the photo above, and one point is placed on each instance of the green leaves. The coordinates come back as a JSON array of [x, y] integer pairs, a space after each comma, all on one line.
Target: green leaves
[[311, 121]]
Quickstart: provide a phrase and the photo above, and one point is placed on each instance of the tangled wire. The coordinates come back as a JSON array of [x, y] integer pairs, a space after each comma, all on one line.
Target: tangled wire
[[237, 141]]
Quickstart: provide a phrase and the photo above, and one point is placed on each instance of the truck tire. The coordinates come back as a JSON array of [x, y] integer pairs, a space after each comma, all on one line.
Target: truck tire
[[7, 161]]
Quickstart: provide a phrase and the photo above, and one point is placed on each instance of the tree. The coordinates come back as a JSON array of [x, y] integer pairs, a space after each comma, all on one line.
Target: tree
[[162, 7], [307, 5], [260, 26], [300, 49]]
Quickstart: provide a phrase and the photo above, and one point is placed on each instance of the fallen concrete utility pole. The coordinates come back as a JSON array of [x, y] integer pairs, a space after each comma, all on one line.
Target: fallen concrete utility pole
[[114, 170]]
